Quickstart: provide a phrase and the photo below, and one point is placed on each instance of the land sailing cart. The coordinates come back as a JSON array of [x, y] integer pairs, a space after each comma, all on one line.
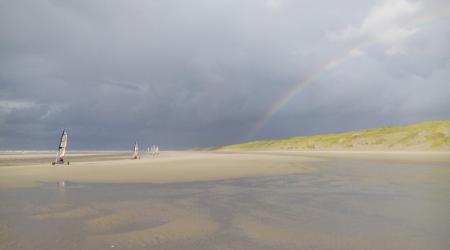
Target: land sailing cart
[[61, 150]]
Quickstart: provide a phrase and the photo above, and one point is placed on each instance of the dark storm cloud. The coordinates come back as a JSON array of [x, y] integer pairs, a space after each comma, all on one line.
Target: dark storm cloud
[[196, 73]]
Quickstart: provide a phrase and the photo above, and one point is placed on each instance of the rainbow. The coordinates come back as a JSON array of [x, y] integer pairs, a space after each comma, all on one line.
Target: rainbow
[[323, 69], [298, 88]]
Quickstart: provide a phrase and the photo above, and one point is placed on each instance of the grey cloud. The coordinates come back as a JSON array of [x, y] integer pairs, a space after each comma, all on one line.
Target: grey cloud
[[199, 73]]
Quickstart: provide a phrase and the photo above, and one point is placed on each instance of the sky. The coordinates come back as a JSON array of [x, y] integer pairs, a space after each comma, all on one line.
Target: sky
[[183, 74]]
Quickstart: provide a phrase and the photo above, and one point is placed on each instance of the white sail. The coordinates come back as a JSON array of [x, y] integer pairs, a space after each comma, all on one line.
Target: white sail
[[136, 151], [62, 148], [153, 150]]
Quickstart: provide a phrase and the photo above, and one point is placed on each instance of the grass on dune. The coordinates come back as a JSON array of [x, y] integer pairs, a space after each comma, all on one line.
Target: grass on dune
[[426, 135]]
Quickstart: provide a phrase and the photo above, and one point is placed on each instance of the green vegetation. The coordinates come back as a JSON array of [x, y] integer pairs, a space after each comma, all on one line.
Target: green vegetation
[[433, 135]]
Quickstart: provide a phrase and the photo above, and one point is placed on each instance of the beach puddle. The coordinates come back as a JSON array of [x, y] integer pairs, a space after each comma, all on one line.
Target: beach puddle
[[341, 205]]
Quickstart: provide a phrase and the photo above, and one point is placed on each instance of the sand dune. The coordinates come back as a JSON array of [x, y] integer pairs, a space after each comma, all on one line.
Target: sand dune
[[426, 136]]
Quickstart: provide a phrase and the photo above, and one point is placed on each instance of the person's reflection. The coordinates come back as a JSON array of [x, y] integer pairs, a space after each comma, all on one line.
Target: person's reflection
[[62, 191]]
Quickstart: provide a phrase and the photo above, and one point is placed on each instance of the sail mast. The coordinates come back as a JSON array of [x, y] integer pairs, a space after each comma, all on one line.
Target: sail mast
[[61, 148], [136, 151]]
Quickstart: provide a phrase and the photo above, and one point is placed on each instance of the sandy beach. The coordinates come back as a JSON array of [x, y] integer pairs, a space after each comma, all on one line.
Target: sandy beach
[[226, 200], [28, 169]]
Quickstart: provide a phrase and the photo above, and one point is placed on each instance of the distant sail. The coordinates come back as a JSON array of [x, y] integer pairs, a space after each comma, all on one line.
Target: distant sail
[[154, 150], [136, 151], [61, 148]]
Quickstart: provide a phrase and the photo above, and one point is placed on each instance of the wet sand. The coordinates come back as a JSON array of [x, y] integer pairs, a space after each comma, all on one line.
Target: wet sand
[[252, 200], [26, 170]]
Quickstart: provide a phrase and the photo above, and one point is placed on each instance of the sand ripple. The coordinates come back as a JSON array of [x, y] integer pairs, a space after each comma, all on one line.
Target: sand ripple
[[177, 229], [75, 213]]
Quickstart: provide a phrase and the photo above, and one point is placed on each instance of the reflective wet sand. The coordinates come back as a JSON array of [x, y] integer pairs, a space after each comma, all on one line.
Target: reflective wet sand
[[182, 166], [339, 203]]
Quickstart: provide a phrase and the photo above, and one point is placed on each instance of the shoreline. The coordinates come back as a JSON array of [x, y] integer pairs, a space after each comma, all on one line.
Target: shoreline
[[187, 166]]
